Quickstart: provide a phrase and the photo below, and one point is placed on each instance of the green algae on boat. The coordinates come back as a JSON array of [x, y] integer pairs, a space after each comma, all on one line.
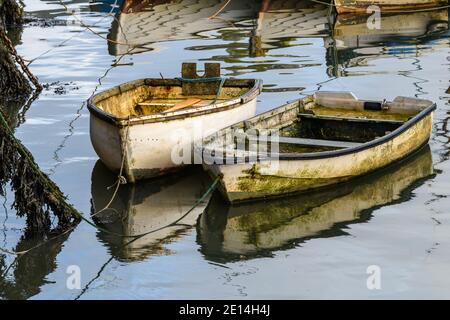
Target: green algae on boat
[[350, 138]]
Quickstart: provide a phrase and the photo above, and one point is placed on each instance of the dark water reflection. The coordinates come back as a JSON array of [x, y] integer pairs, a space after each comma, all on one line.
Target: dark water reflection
[[322, 243], [24, 276], [146, 206]]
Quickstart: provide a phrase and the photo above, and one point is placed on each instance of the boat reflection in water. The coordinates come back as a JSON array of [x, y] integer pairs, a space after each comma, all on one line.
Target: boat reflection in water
[[172, 20], [146, 206], [229, 233], [355, 40]]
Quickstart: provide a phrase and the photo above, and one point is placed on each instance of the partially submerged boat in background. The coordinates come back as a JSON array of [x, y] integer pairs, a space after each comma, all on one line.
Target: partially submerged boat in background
[[134, 126], [314, 143], [361, 6]]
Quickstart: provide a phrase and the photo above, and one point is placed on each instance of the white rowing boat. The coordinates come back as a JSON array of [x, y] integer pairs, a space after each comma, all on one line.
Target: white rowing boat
[[138, 128]]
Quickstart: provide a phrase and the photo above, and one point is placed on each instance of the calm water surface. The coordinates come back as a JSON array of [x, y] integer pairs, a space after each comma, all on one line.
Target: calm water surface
[[303, 247]]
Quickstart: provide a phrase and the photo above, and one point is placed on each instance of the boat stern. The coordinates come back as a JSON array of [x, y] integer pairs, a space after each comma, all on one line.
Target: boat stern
[[106, 139]]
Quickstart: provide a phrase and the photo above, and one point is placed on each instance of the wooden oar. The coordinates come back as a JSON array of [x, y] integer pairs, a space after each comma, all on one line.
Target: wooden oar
[[184, 104]]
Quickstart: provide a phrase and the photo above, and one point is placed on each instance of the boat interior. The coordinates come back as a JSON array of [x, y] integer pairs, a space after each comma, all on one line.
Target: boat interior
[[324, 122], [150, 97], [161, 96]]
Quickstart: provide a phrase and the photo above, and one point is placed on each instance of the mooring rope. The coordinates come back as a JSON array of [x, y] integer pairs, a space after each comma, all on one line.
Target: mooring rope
[[220, 10], [211, 188], [89, 28], [24, 153], [23, 252], [120, 178]]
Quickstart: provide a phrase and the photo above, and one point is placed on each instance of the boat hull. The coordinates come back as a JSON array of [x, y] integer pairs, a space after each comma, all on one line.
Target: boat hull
[[143, 207], [149, 147], [249, 181], [360, 6], [254, 229]]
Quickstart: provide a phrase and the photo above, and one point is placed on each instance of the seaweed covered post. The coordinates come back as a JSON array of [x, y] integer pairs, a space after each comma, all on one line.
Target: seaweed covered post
[[36, 196], [12, 81]]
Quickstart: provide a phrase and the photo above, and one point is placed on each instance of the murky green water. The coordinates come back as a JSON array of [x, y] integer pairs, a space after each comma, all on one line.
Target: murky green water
[[304, 247]]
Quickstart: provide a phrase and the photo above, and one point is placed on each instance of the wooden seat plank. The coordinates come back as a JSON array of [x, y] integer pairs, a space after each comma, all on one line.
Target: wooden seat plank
[[309, 142]]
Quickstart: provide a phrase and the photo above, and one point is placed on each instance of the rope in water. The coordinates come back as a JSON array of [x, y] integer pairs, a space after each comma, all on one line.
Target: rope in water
[[58, 194], [120, 178], [200, 200]]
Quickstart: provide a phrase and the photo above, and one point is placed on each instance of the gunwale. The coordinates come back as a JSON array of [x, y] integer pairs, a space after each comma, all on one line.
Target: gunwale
[[254, 85]]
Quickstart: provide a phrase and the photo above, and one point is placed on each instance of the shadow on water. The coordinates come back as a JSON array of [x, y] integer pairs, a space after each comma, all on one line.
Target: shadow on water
[[145, 206], [230, 233]]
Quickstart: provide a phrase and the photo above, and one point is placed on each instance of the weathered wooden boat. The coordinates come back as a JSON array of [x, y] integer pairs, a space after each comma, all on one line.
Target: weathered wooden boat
[[139, 125], [231, 232], [360, 6], [313, 143], [146, 206]]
